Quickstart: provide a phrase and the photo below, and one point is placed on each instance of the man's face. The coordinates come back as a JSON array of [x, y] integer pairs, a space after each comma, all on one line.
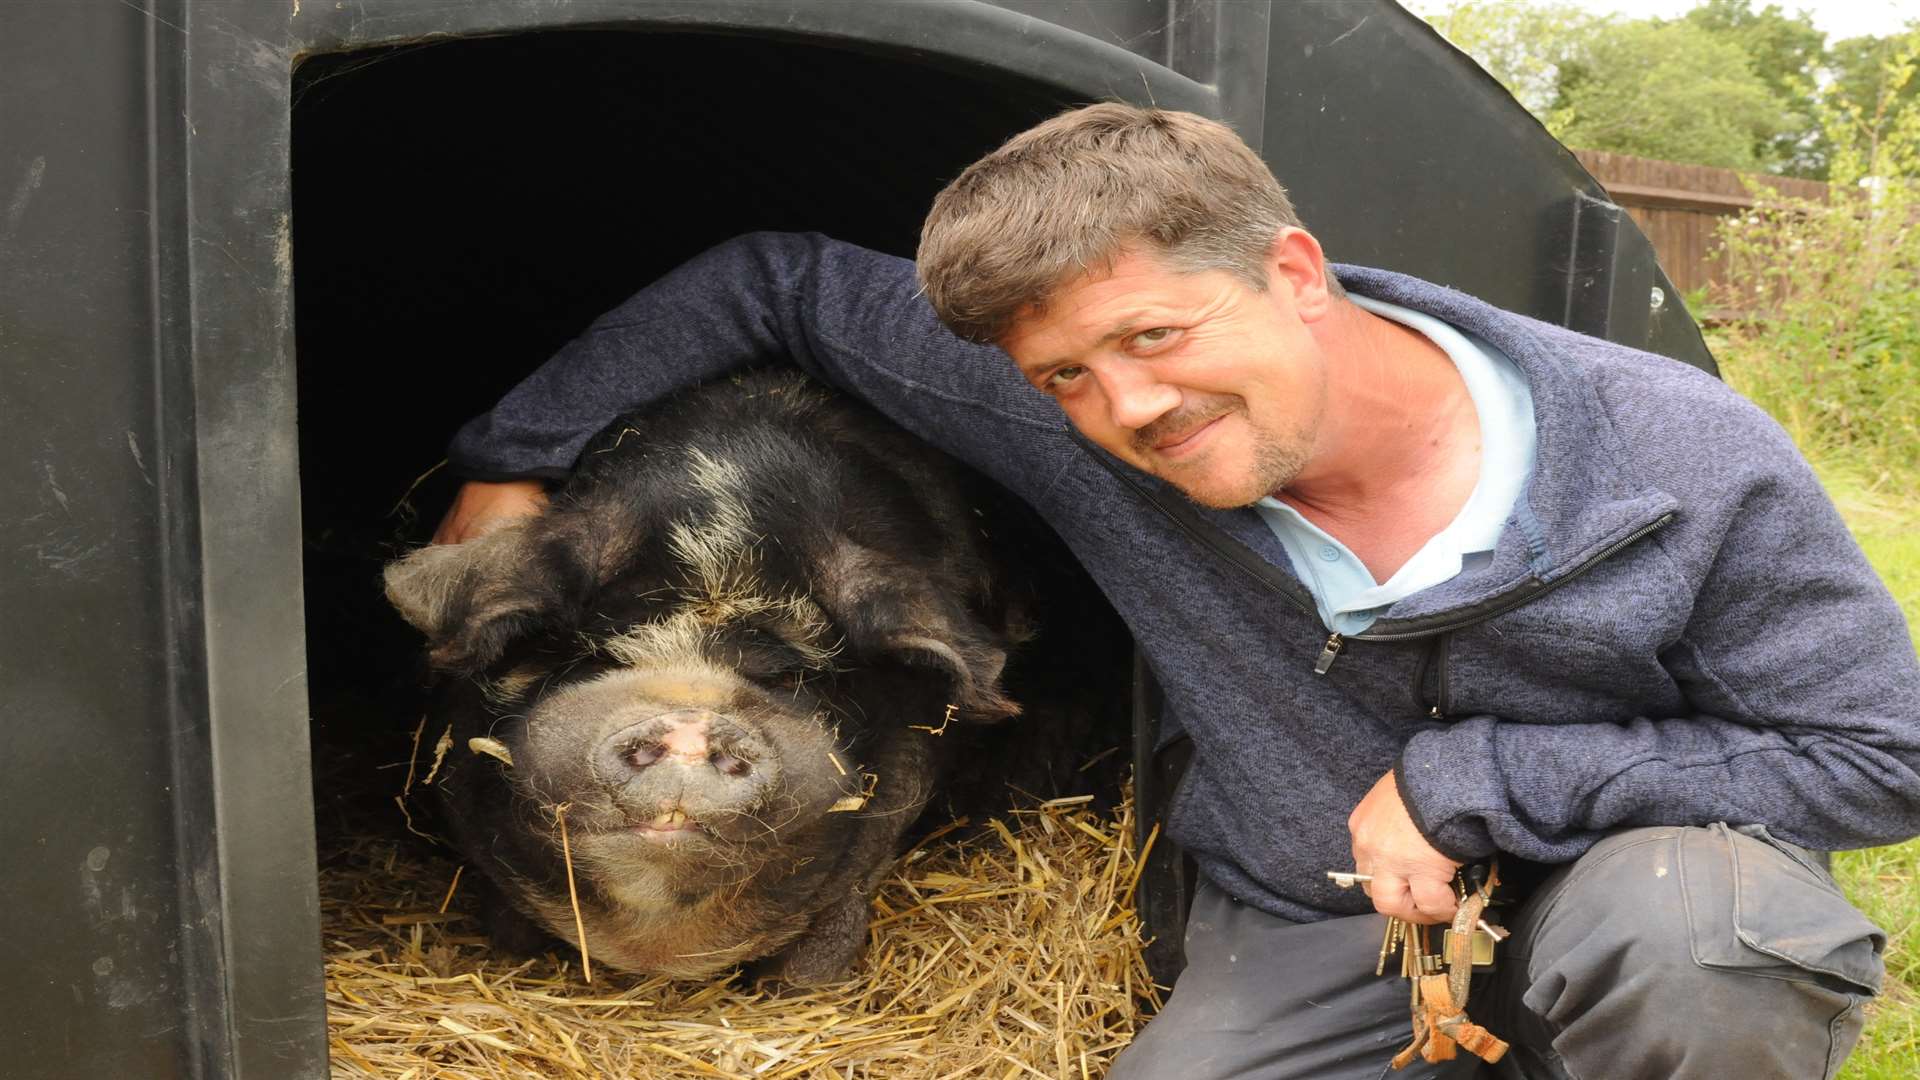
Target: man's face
[[1194, 377]]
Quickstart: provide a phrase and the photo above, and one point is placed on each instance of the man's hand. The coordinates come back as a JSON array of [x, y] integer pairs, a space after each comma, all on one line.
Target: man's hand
[[481, 507], [1411, 880]]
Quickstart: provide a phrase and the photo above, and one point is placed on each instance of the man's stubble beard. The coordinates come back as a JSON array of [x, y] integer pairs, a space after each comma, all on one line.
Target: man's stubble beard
[[1277, 462], [1278, 459], [1275, 465]]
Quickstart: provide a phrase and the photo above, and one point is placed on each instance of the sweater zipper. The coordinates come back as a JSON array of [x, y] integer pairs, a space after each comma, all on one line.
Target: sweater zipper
[[1434, 656], [1328, 654], [1330, 651], [1501, 608], [1419, 686]]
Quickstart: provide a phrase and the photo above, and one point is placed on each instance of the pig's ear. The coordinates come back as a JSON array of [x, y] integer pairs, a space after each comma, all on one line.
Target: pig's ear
[[471, 599], [895, 617], [971, 663]]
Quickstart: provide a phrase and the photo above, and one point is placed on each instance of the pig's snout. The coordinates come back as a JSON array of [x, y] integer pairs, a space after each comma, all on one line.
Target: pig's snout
[[684, 740], [686, 754]]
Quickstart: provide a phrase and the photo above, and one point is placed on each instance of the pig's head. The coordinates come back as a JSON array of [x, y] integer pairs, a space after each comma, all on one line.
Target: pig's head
[[704, 676]]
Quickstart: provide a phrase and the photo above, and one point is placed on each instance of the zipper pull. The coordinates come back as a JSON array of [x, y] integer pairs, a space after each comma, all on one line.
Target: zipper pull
[[1435, 714], [1327, 655]]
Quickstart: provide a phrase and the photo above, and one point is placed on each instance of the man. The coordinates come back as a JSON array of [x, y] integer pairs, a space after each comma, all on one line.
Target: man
[[1426, 582]]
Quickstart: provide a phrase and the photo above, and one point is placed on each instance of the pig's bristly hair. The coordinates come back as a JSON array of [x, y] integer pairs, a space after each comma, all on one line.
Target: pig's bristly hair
[[756, 508]]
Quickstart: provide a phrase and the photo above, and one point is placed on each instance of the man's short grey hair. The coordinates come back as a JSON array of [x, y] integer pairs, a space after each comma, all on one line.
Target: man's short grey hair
[[1070, 195]]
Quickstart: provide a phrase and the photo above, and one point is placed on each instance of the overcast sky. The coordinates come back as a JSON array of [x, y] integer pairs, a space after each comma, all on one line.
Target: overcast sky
[[1839, 18]]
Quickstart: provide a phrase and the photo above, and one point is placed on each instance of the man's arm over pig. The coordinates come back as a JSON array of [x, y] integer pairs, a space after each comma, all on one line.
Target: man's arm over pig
[[1795, 684], [849, 316]]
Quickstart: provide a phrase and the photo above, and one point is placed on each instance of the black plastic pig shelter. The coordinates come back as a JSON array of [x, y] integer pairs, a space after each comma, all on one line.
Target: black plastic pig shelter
[[260, 258]]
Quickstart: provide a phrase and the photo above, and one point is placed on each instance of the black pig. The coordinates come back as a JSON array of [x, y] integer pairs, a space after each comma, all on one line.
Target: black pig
[[728, 650]]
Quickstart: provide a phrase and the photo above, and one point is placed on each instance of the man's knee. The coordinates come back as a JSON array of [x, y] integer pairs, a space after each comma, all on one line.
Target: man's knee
[[1690, 951]]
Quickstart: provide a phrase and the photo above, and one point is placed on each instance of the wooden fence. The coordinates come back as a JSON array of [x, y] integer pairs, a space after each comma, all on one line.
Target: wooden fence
[[1678, 207]]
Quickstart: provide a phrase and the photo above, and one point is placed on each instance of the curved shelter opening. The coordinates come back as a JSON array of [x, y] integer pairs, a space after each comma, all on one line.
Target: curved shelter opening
[[462, 208]]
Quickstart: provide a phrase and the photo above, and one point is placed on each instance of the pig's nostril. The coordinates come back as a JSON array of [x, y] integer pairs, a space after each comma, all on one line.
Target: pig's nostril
[[644, 755], [729, 764]]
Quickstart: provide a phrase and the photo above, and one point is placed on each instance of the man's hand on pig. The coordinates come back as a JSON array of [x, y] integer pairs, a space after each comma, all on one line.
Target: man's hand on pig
[[481, 507], [1411, 880]]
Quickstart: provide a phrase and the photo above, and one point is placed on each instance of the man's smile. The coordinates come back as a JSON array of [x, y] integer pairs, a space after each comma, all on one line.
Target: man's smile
[[1176, 436], [1179, 444]]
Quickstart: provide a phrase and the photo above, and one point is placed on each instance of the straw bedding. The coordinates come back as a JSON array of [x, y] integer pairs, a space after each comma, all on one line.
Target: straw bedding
[[1009, 951]]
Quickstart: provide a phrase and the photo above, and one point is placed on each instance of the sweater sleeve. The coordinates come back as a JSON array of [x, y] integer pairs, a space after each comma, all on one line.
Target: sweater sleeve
[[849, 316], [1804, 708]]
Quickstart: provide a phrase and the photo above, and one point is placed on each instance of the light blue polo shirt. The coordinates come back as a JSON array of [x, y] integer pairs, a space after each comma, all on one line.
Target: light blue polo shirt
[[1348, 597]]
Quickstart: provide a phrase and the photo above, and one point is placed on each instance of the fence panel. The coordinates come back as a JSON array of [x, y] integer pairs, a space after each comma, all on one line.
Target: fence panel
[[1679, 207]]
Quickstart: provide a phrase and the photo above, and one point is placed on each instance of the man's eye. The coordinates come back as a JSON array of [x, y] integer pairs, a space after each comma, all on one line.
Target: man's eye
[[1154, 336], [1062, 376]]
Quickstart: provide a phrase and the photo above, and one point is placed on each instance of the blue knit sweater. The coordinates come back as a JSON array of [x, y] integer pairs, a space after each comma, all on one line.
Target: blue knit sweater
[[1675, 626]]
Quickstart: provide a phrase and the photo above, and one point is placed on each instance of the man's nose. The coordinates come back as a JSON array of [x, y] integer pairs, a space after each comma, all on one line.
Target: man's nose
[[1135, 396]]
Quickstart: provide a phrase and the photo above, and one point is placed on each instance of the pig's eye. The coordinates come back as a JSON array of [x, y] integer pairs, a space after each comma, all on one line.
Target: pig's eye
[[766, 658], [785, 680]]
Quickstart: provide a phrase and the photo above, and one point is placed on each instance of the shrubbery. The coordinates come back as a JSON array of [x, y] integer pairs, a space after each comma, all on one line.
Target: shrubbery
[[1829, 336]]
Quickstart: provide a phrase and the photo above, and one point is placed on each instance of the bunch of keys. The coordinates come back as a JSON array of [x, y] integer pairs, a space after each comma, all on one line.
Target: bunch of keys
[[1440, 978]]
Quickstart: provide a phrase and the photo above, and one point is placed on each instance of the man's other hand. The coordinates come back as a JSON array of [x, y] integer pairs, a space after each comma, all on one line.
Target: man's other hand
[[1411, 880], [481, 507]]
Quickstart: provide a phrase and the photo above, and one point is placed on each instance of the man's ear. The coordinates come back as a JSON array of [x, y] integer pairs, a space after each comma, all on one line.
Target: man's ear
[[471, 599], [891, 618], [1296, 263]]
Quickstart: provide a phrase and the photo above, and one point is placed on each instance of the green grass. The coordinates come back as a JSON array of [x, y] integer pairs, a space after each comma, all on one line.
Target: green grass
[[1885, 882]]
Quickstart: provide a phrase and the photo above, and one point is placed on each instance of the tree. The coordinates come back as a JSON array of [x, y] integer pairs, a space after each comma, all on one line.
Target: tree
[[1522, 45], [1672, 90], [1862, 68], [1685, 89], [1688, 90], [1787, 53]]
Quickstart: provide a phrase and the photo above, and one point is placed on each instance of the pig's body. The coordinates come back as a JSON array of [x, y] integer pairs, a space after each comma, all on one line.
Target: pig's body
[[720, 651]]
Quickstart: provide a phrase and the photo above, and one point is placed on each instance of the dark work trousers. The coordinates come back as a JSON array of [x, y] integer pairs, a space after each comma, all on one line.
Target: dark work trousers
[[1662, 954]]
